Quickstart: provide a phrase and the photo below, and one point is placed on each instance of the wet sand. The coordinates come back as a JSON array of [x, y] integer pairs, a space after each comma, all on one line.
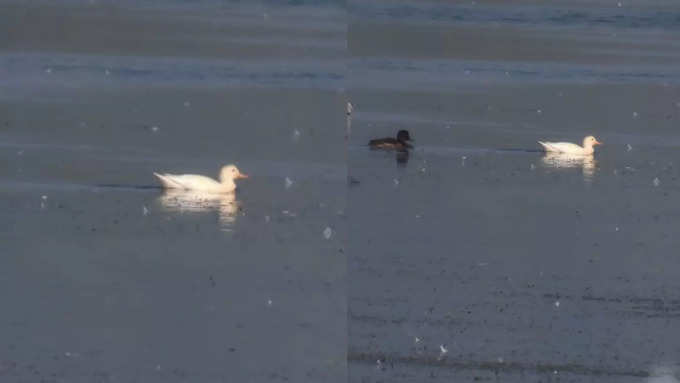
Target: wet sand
[[104, 277], [525, 268]]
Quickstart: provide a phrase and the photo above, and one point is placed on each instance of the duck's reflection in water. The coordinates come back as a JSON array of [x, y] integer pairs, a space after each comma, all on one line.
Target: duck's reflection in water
[[587, 163], [402, 157], [189, 201]]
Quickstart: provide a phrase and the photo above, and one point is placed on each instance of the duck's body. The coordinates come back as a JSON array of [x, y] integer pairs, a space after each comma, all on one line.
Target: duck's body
[[389, 143], [565, 147], [202, 183], [399, 143], [194, 182], [569, 148]]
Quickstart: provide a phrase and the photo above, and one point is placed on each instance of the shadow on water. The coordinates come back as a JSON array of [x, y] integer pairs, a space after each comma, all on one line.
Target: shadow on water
[[65, 186], [129, 187], [520, 150]]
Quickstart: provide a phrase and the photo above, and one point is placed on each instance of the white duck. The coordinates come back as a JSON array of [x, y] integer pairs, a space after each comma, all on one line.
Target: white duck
[[569, 148], [201, 183]]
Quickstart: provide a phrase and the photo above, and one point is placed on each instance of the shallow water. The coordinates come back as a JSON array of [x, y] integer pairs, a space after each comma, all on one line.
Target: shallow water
[[107, 278], [524, 267]]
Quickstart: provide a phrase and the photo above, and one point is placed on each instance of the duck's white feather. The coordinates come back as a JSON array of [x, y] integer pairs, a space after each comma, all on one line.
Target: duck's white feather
[[564, 147], [167, 181], [194, 182]]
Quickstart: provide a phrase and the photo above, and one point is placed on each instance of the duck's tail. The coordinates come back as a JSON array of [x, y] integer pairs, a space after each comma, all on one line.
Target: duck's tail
[[166, 181]]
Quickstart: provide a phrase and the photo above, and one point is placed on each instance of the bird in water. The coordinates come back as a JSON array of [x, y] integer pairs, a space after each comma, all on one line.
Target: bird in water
[[196, 182], [568, 148], [400, 143]]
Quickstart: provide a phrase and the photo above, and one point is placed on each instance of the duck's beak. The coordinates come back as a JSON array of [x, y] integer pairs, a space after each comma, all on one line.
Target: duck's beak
[[597, 142], [241, 175]]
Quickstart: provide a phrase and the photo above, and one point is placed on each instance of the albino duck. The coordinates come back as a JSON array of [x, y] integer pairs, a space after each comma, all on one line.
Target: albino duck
[[569, 148], [201, 183]]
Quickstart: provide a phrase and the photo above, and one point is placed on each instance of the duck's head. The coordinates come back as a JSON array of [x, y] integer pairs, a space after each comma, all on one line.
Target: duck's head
[[403, 136], [590, 141], [231, 172]]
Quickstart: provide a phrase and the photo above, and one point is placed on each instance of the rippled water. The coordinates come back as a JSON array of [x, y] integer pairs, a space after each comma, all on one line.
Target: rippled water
[[104, 276], [522, 266], [474, 257]]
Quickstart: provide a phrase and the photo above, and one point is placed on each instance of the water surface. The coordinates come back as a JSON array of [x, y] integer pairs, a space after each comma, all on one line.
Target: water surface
[[107, 278], [521, 267]]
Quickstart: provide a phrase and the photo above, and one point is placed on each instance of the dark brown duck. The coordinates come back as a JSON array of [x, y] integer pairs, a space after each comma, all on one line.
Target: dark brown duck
[[389, 143]]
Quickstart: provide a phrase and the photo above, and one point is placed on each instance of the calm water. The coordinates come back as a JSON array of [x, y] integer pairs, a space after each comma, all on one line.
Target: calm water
[[524, 268], [475, 258], [104, 277]]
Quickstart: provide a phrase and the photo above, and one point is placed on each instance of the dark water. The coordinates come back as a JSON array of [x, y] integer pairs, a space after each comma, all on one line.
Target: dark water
[[524, 268]]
